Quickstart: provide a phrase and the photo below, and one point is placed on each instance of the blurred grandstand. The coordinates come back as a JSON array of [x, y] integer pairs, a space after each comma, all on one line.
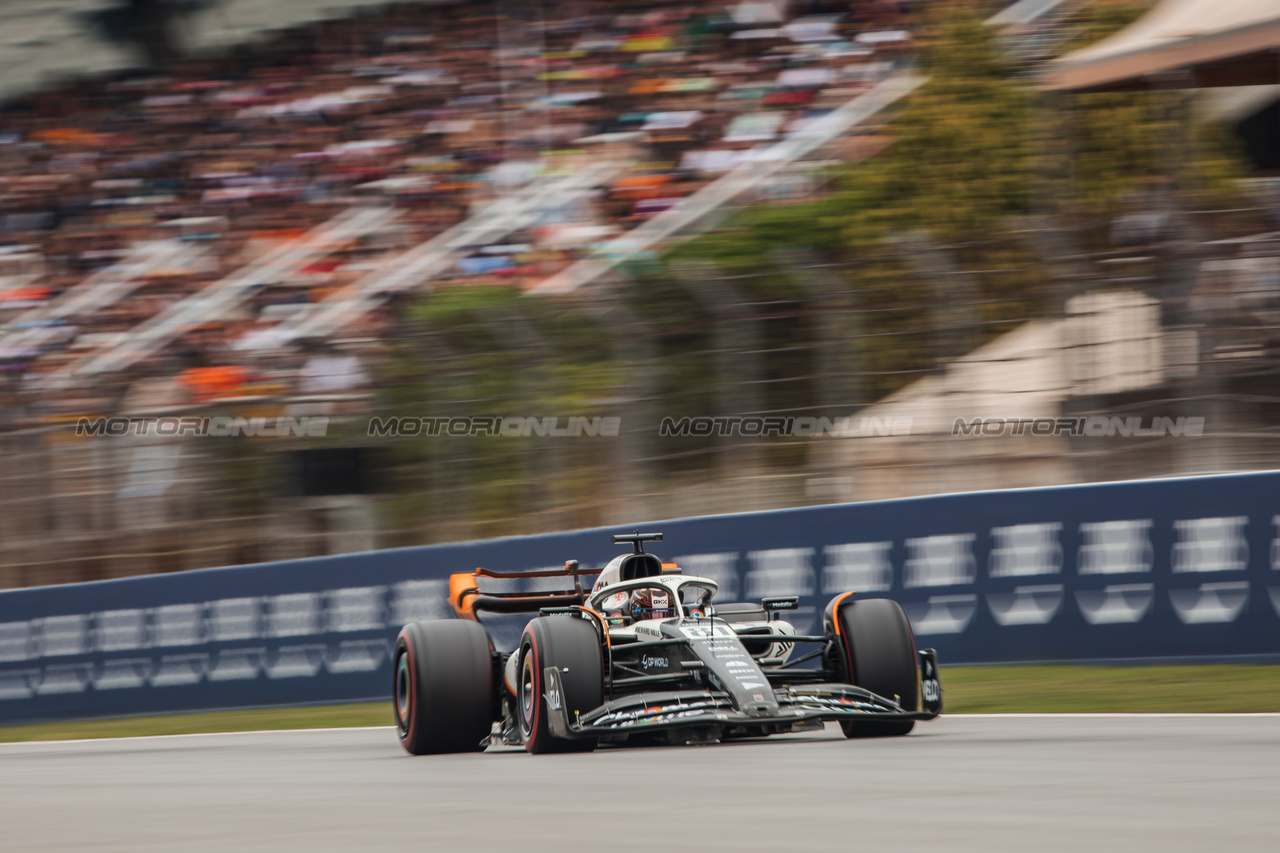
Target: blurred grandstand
[[485, 208]]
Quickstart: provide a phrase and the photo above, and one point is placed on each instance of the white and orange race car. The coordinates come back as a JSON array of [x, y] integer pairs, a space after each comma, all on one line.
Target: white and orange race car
[[646, 655]]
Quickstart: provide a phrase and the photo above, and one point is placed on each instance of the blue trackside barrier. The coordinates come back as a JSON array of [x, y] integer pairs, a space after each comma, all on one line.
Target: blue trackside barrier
[[1159, 568]]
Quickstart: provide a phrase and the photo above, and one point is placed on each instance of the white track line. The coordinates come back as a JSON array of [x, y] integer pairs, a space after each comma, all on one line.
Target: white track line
[[1112, 714], [1036, 716], [199, 734]]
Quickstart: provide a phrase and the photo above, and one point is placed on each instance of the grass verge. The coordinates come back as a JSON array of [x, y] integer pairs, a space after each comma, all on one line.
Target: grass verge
[[1221, 688], [1225, 688], [252, 719]]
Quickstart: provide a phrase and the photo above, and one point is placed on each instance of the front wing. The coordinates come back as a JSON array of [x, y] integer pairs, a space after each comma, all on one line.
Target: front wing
[[810, 703]]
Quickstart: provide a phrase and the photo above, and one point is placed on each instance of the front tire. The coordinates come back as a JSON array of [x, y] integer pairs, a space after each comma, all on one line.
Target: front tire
[[879, 655], [442, 686], [572, 645]]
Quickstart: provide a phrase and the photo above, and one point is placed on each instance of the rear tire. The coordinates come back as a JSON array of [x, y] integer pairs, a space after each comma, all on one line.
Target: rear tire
[[572, 645], [880, 656], [442, 686]]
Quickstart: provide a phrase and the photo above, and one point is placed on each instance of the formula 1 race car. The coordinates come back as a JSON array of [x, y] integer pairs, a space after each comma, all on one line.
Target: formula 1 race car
[[646, 656]]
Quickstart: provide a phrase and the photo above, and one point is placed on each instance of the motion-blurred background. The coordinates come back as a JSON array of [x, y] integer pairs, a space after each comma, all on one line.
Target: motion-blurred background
[[903, 213]]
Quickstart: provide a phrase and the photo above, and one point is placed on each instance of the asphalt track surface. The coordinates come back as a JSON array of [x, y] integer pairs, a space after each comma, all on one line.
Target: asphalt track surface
[[1016, 783]]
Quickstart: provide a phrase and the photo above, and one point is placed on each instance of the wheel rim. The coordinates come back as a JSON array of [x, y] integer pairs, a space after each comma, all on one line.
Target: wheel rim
[[527, 691], [404, 695]]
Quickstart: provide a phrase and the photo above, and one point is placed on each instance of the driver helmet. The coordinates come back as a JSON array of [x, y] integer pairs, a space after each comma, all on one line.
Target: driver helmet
[[651, 603]]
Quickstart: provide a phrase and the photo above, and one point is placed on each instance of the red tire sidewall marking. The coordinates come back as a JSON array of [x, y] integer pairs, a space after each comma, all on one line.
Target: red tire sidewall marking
[[911, 638], [915, 659], [848, 648], [536, 699]]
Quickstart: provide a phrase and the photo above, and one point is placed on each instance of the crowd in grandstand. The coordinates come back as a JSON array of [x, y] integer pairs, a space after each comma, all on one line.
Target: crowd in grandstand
[[432, 109]]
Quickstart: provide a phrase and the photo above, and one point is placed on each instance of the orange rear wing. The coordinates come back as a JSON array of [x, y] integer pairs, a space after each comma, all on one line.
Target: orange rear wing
[[467, 600]]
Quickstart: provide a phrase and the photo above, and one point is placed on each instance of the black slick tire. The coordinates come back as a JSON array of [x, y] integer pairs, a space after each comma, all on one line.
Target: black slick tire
[[572, 645], [442, 686], [880, 656]]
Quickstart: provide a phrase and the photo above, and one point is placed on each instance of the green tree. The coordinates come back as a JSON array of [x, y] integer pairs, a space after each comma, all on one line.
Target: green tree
[[476, 351], [959, 163], [960, 159], [1124, 144]]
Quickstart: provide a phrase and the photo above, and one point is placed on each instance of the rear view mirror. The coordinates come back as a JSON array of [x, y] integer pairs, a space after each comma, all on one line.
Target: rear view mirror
[[781, 602]]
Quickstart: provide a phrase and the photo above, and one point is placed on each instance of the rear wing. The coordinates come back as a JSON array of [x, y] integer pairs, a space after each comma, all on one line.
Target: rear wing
[[467, 600]]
